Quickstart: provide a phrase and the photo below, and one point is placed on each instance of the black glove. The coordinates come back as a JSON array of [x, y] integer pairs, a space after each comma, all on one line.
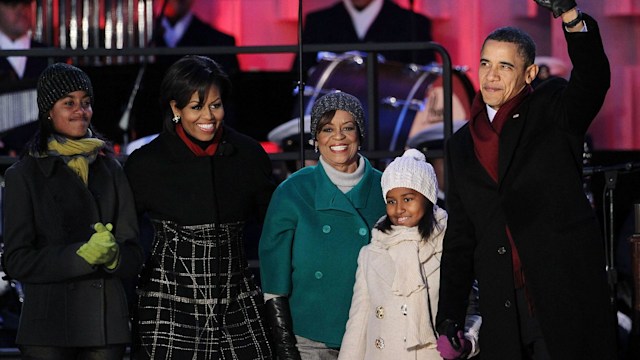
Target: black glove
[[280, 323], [558, 7], [459, 346]]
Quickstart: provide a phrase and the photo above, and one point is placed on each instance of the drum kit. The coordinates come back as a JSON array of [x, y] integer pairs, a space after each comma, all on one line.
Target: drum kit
[[409, 95]]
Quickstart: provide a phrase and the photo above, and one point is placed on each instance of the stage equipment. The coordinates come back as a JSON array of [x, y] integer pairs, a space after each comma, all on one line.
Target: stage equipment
[[634, 338], [402, 91]]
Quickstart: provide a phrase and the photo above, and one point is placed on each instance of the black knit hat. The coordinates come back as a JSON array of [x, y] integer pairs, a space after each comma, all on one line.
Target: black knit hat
[[58, 80], [337, 101]]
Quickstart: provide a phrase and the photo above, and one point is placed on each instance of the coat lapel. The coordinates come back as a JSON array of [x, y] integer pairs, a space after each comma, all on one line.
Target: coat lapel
[[68, 187], [382, 265], [509, 140]]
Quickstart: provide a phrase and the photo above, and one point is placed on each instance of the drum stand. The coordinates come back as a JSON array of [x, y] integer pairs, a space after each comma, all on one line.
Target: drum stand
[[634, 337], [611, 178]]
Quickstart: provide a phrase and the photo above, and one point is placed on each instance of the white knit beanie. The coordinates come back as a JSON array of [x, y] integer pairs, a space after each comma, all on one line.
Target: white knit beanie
[[411, 171]]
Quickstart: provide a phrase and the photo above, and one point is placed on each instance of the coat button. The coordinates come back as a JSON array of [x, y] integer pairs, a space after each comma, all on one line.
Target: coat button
[[502, 250], [319, 275], [326, 229], [97, 285], [380, 312], [507, 304], [362, 231], [379, 343], [403, 308]]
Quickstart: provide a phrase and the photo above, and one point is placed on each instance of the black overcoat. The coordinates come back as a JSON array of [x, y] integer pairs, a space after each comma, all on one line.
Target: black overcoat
[[48, 215], [540, 197], [170, 183]]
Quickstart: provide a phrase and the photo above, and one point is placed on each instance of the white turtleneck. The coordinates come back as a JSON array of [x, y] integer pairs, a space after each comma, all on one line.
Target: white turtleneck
[[344, 181]]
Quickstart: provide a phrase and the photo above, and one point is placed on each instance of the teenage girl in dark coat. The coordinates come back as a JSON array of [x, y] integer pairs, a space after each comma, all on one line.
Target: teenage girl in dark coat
[[70, 230]]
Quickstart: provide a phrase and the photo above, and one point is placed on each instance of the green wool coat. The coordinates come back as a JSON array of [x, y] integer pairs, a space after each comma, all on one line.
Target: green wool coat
[[309, 247]]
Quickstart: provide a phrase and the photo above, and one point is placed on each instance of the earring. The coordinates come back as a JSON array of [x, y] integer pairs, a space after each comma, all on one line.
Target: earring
[[316, 148], [176, 119], [359, 147]]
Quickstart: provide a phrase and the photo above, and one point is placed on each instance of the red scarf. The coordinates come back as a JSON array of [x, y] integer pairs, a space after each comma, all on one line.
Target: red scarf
[[486, 141], [197, 150], [486, 134]]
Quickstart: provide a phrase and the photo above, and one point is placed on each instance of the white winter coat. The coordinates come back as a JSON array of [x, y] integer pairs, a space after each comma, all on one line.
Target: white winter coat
[[384, 325]]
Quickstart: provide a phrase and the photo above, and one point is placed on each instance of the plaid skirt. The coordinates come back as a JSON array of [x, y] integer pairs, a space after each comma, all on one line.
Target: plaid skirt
[[197, 298]]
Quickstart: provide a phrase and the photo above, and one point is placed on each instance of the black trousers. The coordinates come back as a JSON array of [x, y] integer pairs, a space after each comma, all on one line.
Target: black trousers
[[110, 352]]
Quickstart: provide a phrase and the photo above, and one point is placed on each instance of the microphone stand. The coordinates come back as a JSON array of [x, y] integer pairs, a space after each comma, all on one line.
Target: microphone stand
[[611, 177], [125, 119], [634, 337], [301, 86]]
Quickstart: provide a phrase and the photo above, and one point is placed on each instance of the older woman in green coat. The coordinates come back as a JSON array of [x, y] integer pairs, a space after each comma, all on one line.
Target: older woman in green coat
[[317, 221]]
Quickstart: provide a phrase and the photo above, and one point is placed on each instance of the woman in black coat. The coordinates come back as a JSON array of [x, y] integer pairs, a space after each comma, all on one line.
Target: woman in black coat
[[70, 230], [199, 182]]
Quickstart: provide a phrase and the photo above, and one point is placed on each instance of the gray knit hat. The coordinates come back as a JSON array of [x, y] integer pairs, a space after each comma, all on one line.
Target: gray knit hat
[[58, 80], [337, 101], [411, 171]]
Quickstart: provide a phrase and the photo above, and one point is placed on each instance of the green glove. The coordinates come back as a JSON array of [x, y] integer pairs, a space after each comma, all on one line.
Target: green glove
[[101, 247]]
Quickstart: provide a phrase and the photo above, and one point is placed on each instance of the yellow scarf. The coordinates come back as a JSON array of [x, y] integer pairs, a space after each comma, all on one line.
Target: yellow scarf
[[77, 154]]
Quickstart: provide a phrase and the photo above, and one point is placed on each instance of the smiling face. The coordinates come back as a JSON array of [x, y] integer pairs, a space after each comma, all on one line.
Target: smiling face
[[338, 142], [405, 206], [71, 115], [201, 119], [502, 72]]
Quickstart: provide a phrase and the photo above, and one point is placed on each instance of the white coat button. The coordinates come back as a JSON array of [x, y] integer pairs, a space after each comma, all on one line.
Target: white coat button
[[380, 312], [379, 343], [403, 308], [502, 250], [507, 304]]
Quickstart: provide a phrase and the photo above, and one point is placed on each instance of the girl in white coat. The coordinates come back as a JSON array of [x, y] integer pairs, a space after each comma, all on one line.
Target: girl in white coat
[[395, 296]]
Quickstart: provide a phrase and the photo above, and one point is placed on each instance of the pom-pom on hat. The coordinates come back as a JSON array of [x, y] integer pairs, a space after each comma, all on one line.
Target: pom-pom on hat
[[337, 101], [58, 80], [412, 171]]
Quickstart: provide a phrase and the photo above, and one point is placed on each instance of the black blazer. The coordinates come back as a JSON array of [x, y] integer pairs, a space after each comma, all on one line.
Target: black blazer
[[9, 80], [393, 24], [539, 196], [200, 33]]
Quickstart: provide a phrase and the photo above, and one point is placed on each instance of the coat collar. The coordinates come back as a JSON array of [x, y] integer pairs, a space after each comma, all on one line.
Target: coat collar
[[47, 164], [179, 152]]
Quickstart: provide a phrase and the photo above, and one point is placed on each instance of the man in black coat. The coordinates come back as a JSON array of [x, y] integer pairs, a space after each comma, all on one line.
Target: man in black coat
[[366, 21], [519, 220]]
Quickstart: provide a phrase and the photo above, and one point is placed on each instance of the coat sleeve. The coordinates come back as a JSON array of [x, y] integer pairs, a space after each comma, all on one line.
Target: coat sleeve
[[456, 269], [590, 77], [126, 228], [276, 243], [22, 259], [355, 338]]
